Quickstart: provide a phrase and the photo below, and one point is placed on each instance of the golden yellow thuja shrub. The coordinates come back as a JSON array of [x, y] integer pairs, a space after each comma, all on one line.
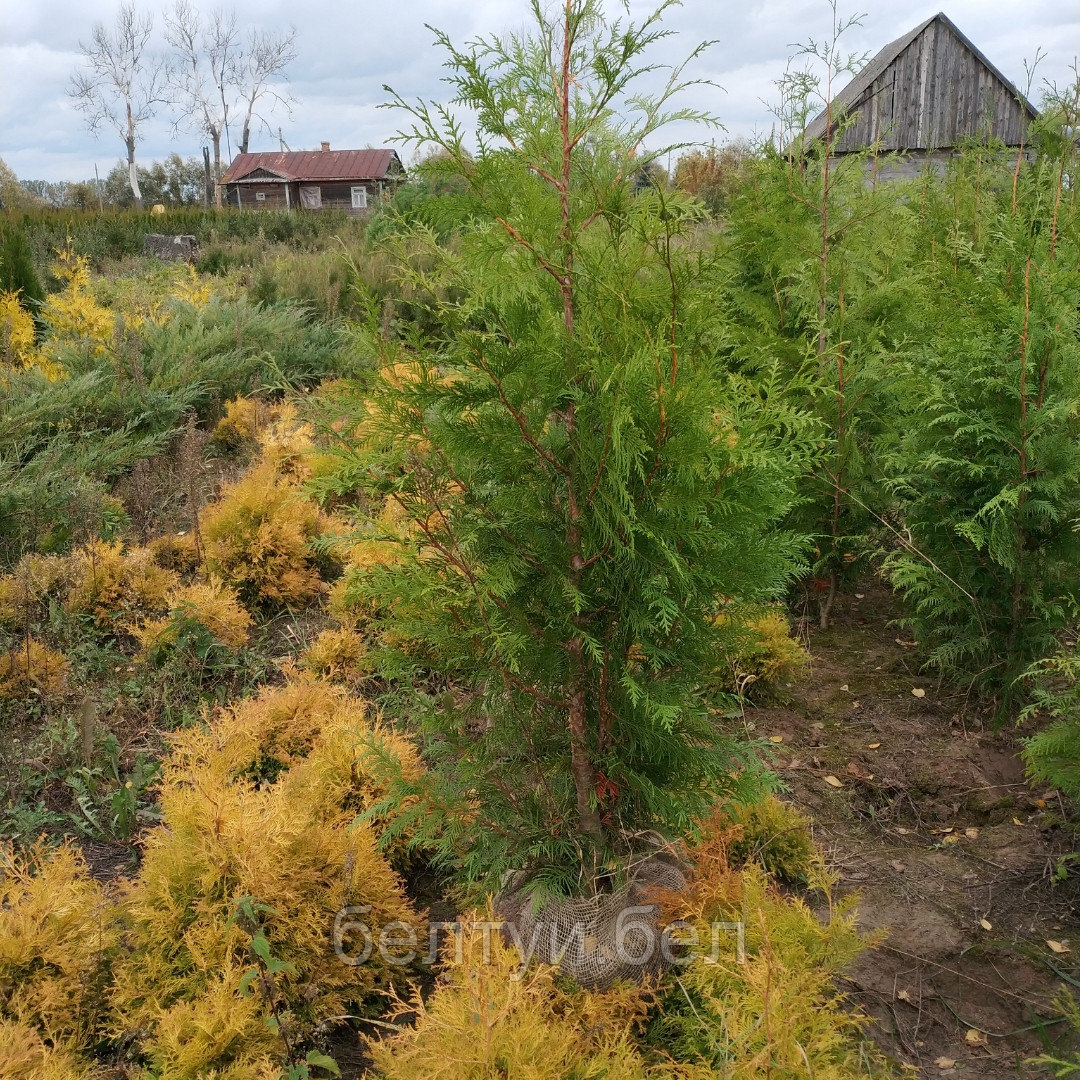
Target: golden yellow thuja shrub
[[219, 1030], [761, 655], [311, 738], [240, 856], [777, 1007], [257, 537], [487, 1020], [176, 551], [73, 314], [209, 604], [338, 655], [24, 593], [244, 418], [58, 937], [28, 666], [118, 588], [286, 442], [308, 728], [24, 1055], [18, 349]]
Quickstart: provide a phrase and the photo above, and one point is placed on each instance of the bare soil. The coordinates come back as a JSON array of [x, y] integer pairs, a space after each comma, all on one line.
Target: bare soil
[[951, 851]]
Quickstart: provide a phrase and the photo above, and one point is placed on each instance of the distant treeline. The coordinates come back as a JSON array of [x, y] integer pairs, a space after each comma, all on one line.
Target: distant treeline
[[174, 182]]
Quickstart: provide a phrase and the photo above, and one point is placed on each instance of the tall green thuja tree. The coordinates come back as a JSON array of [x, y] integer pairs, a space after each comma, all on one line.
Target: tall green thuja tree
[[986, 462], [582, 487], [819, 275]]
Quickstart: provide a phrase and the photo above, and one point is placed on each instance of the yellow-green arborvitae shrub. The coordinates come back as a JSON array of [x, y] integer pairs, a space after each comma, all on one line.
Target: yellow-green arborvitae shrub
[[778, 1013], [484, 1022], [257, 538], [775, 836], [118, 588], [211, 605], [58, 937], [29, 667], [253, 854], [762, 656]]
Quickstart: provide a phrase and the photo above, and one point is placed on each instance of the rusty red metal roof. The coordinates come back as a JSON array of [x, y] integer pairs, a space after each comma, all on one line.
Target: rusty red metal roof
[[316, 165]]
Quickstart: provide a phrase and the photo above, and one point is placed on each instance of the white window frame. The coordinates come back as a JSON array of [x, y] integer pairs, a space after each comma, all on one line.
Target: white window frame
[[260, 196], [359, 197]]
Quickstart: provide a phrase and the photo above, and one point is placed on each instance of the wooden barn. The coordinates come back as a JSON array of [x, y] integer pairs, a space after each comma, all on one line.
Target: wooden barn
[[923, 94], [351, 180]]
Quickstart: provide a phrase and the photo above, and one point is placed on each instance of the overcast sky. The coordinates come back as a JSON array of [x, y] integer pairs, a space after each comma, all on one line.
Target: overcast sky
[[347, 51]]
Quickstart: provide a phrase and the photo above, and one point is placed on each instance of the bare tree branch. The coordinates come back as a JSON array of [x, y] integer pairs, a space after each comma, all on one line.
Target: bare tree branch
[[203, 73], [265, 59], [120, 85]]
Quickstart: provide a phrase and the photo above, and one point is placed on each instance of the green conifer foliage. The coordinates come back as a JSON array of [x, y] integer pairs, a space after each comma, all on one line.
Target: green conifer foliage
[[985, 455], [585, 484], [820, 271], [17, 271]]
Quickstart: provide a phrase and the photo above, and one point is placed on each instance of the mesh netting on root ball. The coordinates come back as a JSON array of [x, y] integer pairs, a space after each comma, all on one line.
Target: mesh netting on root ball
[[597, 940]]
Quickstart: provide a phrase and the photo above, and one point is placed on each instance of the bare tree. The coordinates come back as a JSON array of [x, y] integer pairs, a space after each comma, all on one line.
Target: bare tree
[[121, 83], [266, 57], [204, 72]]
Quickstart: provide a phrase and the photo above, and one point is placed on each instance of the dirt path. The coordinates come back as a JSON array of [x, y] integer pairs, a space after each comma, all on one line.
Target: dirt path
[[951, 851]]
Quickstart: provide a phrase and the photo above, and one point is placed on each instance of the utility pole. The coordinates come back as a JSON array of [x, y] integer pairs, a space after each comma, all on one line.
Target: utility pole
[[97, 184]]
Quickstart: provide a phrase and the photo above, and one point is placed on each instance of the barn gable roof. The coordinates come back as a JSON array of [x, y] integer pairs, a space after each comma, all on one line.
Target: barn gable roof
[[861, 91], [316, 165]]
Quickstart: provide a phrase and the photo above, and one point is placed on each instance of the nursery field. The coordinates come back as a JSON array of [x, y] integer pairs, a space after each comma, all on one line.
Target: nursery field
[[571, 623]]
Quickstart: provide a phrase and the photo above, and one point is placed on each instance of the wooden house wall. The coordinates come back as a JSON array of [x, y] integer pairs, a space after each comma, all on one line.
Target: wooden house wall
[[335, 196], [936, 92], [274, 192], [339, 196]]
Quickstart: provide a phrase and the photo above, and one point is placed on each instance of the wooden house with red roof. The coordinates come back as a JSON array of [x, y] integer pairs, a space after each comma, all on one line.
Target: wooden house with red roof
[[350, 180]]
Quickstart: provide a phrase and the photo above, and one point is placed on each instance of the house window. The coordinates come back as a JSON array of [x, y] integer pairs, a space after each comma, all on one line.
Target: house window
[[260, 196], [359, 198]]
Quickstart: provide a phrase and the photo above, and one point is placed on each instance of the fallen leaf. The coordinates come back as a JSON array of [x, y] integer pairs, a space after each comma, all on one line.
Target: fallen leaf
[[944, 1063], [903, 995], [986, 924], [975, 1037], [1017, 821], [902, 831], [855, 705], [918, 691], [909, 644], [859, 595], [873, 746], [952, 839], [1041, 804], [833, 782], [1059, 946], [844, 687], [971, 834], [897, 865], [776, 738]]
